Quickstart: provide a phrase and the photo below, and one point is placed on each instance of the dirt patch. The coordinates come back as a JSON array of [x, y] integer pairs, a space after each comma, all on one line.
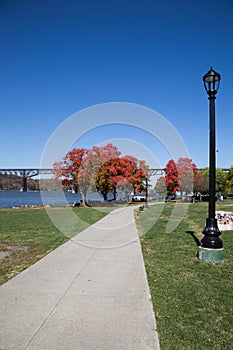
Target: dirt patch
[[3, 255], [6, 249]]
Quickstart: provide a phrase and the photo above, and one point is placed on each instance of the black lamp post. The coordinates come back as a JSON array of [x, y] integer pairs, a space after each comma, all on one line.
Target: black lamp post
[[146, 204], [211, 239]]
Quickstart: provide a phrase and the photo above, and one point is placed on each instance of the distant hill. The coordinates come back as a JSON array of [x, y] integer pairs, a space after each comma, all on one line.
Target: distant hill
[[14, 183]]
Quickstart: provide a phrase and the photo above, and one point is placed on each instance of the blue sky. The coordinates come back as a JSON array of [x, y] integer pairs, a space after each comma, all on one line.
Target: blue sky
[[61, 56]]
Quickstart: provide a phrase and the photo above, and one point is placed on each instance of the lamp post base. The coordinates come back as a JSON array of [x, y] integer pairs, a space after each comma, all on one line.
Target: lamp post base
[[213, 256], [212, 233]]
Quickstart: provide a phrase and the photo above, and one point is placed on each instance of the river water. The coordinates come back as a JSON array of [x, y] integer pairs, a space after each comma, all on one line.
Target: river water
[[11, 199]]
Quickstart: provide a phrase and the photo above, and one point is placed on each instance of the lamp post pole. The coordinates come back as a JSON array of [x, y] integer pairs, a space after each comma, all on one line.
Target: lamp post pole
[[146, 204], [211, 249], [212, 157]]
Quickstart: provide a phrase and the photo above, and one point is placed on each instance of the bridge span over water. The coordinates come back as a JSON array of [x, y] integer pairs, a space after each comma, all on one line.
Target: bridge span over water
[[30, 172]]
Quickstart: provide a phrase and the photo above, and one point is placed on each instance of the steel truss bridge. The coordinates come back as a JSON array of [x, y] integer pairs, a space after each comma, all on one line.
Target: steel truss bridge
[[28, 173], [25, 174]]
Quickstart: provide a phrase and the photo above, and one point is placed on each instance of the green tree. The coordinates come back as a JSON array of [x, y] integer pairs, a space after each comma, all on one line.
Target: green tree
[[221, 179], [229, 181]]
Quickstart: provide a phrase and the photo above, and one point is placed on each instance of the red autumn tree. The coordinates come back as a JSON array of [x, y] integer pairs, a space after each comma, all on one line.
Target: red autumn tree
[[79, 166], [180, 176], [171, 177], [101, 168], [114, 173], [139, 173], [186, 171], [122, 173], [69, 167], [92, 163]]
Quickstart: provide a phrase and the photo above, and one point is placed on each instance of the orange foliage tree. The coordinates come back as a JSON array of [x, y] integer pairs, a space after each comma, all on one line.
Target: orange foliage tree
[[68, 168], [171, 177], [120, 173], [92, 163]]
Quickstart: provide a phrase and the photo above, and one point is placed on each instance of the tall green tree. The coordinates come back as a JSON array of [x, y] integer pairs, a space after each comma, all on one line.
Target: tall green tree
[[229, 181], [221, 179]]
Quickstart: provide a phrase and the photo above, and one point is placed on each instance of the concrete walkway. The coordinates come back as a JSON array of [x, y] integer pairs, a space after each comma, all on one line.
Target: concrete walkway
[[90, 293]]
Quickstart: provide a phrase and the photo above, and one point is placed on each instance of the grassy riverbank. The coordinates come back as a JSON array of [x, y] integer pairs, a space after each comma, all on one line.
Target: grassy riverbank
[[26, 235], [192, 300]]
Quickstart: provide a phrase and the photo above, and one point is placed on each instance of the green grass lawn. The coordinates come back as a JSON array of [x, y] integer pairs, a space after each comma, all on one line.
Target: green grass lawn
[[26, 235], [192, 300]]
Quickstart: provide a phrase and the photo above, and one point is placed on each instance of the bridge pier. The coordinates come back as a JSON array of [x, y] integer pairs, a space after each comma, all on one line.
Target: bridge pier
[[24, 187]]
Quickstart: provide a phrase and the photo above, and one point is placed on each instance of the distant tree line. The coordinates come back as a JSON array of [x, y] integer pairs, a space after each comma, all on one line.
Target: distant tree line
[[14, 183]]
